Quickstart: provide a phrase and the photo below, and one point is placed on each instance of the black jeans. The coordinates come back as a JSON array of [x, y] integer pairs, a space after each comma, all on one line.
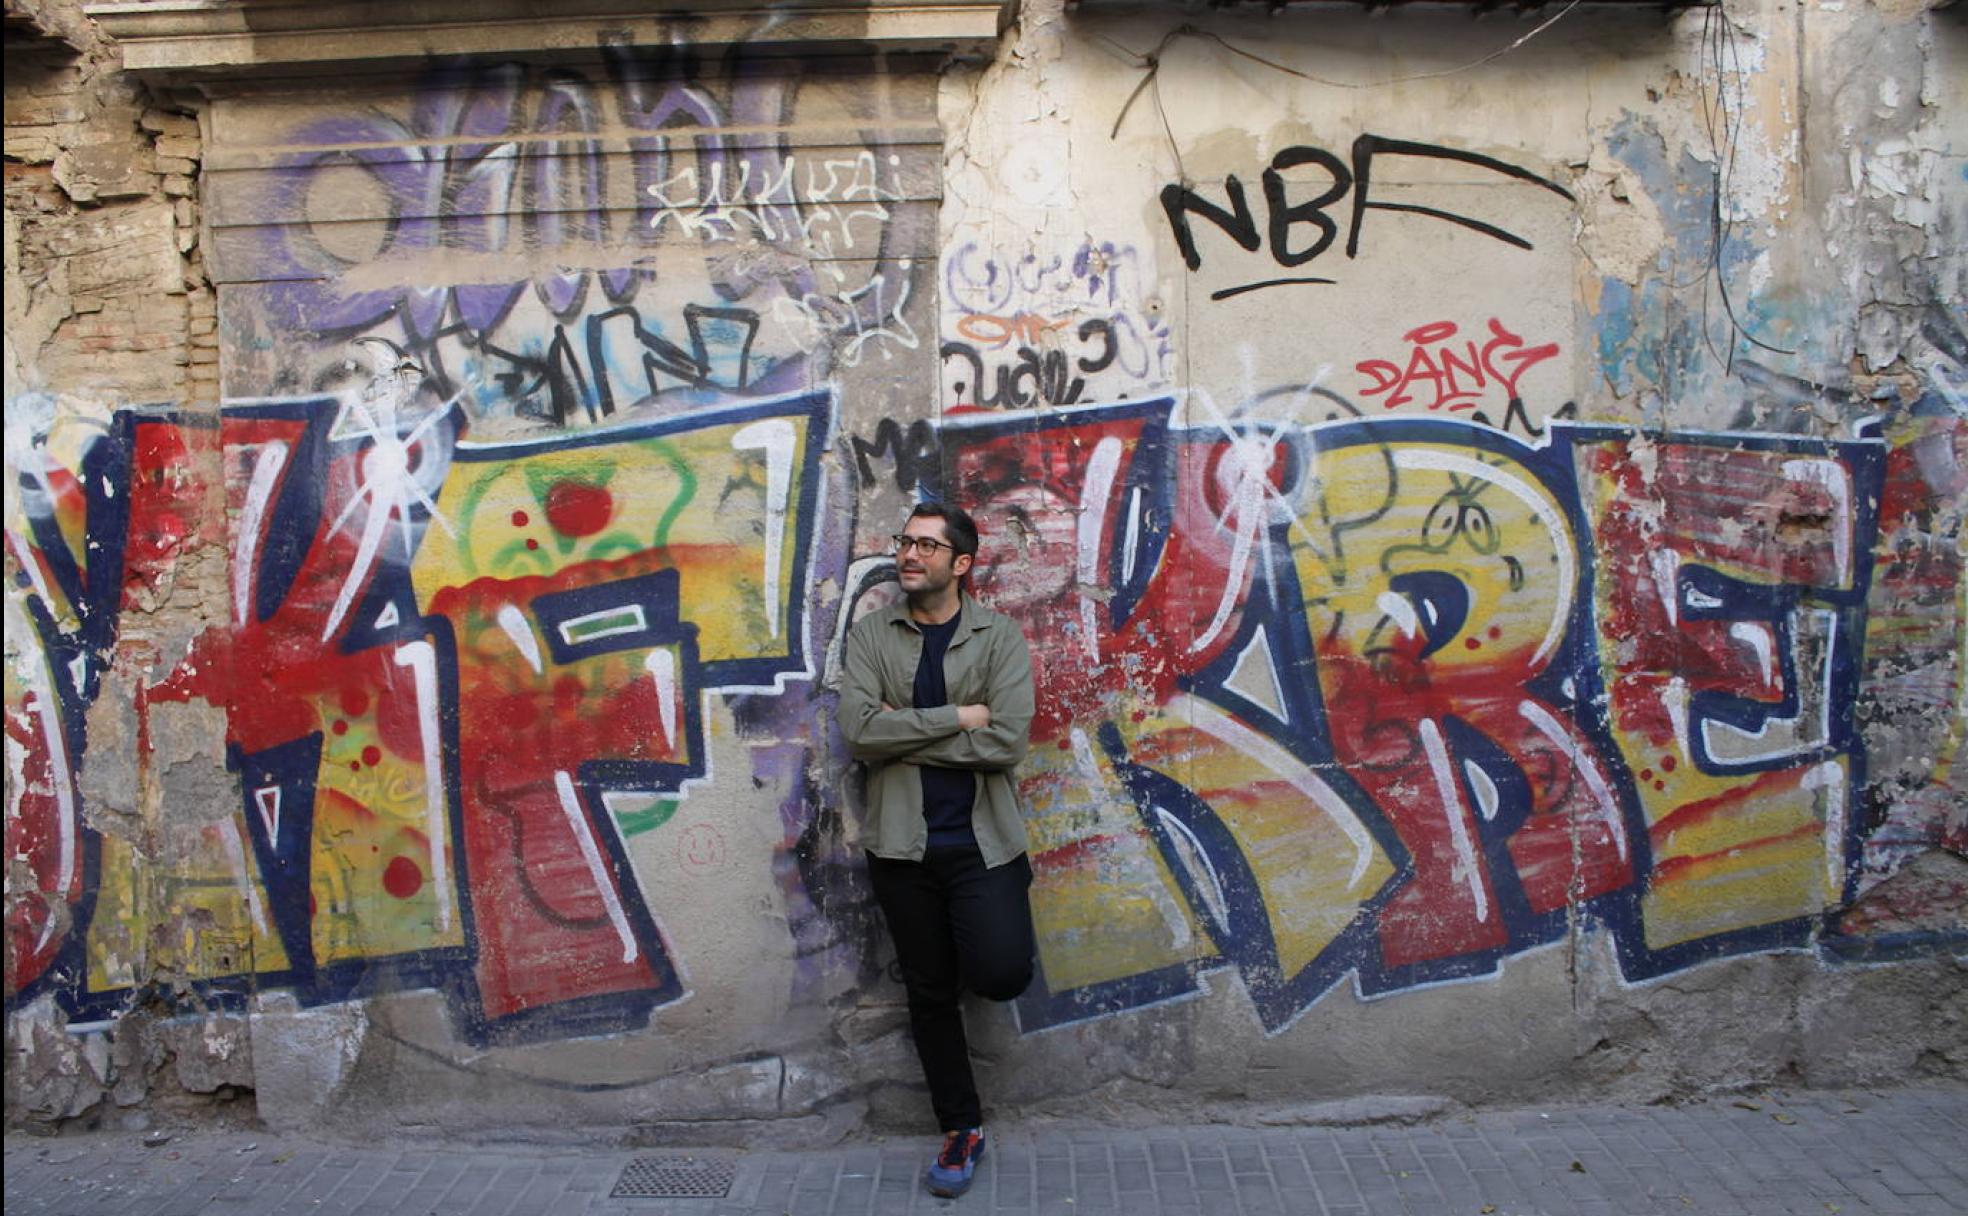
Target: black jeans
[[956, 925]]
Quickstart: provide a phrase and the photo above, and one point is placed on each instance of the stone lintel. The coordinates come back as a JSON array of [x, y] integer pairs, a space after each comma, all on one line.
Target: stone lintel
[[219, 37]]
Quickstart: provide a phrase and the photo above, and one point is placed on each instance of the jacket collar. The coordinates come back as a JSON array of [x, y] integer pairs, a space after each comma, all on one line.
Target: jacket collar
[[974, 613]]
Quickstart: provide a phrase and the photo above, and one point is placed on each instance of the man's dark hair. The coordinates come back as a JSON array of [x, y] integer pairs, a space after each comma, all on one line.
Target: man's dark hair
[[958, 527]]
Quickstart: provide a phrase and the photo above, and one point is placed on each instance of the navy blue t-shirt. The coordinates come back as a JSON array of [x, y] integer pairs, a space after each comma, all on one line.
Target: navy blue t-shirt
[[948, 793]]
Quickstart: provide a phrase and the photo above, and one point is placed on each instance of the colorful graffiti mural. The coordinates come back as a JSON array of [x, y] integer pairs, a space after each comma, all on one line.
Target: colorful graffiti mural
[[560, 244], [1398, 697], [454, 678], [1393, 698]]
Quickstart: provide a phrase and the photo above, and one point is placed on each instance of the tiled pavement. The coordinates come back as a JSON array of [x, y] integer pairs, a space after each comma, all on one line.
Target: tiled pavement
[[1800, 1152]]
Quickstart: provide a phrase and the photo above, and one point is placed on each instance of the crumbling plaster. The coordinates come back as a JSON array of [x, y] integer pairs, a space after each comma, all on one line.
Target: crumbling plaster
[[105, 299]]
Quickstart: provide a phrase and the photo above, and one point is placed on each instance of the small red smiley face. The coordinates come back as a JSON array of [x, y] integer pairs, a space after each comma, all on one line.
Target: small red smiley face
[[700, 848]]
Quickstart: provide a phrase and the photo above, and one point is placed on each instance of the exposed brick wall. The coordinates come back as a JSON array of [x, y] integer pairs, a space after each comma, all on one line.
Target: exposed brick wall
[[106, 293]]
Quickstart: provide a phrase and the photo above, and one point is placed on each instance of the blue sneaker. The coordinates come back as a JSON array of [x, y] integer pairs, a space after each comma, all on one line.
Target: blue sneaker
[[951, 1173]]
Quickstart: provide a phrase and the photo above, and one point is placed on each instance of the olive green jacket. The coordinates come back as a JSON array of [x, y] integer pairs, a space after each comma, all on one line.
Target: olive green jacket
[[987, 663]]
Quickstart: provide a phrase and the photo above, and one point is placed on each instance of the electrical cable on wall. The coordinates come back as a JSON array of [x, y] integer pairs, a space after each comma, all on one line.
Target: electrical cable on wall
[[1152, 61], [1714, 36]]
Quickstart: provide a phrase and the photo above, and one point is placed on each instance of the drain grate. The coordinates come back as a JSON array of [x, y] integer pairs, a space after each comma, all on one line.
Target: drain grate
[[675, 1176]]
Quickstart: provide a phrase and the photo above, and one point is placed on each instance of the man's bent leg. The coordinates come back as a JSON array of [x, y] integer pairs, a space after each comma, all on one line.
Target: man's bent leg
[[915, 903], [991, 921]]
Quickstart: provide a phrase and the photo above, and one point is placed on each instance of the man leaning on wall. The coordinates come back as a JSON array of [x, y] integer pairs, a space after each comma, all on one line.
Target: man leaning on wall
[[936, 699]]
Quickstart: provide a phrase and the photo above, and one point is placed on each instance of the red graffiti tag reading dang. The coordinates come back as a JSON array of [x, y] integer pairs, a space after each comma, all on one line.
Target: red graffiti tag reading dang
[[1446, 378]]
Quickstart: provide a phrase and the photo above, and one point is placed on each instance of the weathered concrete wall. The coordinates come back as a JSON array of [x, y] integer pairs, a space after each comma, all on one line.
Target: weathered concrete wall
[[1486, 497]]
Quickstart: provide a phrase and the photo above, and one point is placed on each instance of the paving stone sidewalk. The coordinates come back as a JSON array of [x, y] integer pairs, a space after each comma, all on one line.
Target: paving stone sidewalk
[[1799, 1152]]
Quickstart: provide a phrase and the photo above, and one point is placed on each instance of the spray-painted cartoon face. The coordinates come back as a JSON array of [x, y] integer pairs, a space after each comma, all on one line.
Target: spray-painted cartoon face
[[1437, 560]]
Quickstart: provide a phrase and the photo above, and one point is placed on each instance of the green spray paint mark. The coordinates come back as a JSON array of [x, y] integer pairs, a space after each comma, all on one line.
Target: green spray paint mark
[[603, 624], [686, 488], [648, 819]]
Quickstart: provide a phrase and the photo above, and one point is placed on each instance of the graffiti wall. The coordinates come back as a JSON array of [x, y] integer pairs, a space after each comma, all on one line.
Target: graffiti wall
[[1394, 698], [1493, 586], [565, 244], [434, 661], [455, 679], [1400, 698], [1049, 329]]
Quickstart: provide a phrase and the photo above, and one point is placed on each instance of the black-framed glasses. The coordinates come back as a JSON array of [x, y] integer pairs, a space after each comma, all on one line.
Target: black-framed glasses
[[921, 544]]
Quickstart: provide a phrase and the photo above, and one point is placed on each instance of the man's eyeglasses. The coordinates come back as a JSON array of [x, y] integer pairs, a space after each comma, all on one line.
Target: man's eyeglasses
[[921, 544]]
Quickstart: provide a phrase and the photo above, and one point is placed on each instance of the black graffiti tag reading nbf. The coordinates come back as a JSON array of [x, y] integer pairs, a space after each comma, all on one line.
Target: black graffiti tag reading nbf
[[1239, 223]]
